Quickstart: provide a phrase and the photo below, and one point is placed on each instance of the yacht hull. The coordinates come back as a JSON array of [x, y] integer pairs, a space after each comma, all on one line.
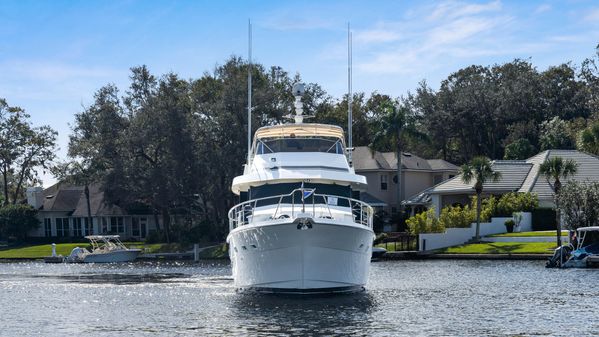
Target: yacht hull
[[288, 257]]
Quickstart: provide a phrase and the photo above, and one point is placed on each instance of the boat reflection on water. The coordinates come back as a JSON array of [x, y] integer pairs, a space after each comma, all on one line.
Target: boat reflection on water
[[323, 314]]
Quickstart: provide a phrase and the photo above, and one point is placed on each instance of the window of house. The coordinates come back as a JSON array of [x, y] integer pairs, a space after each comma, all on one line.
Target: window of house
[[77, 231], [451, 176], [138, 227], [62, 226], [143, 223], [48, 227], [117, 225], [437, 178], [384, 178], [104, 225], [89, 228]]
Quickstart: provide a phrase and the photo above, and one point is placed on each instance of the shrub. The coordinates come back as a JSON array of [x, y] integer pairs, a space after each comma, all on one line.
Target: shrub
[[457, 217], [17, 220], [487, 209], [425, 222], [512, 202]]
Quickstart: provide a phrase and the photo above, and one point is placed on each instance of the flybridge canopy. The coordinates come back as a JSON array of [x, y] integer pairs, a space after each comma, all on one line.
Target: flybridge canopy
[[300, 130]]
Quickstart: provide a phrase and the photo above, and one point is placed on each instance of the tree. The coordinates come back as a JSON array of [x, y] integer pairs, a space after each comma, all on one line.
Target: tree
[[395, 122], [24, 149], [17, 220], [479, 170], [554, 169], [579, 203], [520, 149], [554, 135], [588, 139], [78, 173]]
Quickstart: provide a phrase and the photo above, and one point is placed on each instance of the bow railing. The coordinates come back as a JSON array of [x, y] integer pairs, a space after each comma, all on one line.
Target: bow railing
[[297, 204]]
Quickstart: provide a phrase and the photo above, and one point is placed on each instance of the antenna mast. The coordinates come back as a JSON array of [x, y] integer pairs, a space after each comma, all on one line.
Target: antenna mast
[[349, 95], [249, 90]]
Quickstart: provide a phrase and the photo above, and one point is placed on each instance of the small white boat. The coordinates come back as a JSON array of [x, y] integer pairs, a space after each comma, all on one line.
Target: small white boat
[[105, 249], [582, 253]]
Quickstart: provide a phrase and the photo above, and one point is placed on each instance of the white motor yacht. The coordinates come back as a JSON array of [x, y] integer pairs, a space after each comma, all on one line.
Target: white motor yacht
[[300, 226], [105, 249]]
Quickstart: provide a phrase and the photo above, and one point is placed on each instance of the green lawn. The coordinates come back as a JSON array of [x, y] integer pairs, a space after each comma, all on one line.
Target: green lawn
[[502, 248], [39, 251], [528, 234]]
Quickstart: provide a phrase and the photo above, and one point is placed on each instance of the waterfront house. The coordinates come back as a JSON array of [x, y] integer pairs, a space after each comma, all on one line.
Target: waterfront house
[[380, 170], [516, 176], [62, 211]]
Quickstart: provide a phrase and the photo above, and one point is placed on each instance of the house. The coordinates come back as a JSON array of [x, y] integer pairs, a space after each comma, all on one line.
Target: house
[[62, 211], [516, 176], [380, 170]]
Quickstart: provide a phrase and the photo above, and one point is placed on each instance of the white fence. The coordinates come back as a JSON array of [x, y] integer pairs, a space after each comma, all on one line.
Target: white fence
[[458, 236]]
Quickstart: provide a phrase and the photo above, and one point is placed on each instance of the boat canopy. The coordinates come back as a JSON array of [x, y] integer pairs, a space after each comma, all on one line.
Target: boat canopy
[[300, 130], [589, 229], [103, 237]]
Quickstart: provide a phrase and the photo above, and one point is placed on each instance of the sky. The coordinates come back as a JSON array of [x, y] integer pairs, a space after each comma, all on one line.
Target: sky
[[55, 54]]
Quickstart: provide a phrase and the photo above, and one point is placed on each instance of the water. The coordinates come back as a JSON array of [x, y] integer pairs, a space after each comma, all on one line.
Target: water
[[403, 298]]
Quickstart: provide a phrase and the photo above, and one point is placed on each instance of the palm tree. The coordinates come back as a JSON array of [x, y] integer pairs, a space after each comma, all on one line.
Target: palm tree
[[479, 170], [396, 121], [554, 169]]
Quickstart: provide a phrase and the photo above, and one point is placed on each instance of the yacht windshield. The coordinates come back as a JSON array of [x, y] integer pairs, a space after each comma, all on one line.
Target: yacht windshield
[[293, 144]]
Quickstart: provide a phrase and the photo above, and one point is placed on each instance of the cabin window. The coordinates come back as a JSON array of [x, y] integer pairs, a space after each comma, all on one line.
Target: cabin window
[[384, 178], [62, 226], [48, 227], [306, 144]]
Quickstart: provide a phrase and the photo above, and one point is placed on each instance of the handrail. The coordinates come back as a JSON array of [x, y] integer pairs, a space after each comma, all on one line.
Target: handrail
[[243, 213]]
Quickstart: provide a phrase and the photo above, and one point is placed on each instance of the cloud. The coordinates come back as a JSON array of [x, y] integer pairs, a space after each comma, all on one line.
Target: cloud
[[454, 30], [592, 16], [543, 8], [455, 9]]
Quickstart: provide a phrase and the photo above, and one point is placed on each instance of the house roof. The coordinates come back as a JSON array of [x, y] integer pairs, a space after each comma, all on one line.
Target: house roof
[[372, 200], [67, 198], [366, 159], [524, 176]]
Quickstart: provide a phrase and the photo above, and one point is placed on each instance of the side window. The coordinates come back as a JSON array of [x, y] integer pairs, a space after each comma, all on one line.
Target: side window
[[384, 178]]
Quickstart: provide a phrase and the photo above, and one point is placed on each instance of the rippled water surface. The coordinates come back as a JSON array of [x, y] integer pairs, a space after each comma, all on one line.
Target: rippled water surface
[[403, 298]]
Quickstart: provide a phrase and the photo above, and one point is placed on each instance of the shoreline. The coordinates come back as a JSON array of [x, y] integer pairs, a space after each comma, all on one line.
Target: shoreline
[[437, 256]]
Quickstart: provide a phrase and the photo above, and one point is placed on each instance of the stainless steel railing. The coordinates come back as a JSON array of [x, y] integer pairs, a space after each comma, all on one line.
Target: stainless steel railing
[[315, 206]]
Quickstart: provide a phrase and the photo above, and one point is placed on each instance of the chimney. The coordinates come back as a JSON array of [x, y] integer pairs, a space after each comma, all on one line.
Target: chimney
[[34, 197]]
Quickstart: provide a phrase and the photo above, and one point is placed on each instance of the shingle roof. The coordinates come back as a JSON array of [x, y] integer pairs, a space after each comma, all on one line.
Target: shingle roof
[[366, 159], [372, 200], [98, 206], [66, 198], [587, 170], [61, 198], [523, 175]]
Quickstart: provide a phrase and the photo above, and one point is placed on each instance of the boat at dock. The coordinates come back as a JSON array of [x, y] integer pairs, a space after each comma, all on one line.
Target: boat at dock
[[105, 249], [300, 227], [580, 253]]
